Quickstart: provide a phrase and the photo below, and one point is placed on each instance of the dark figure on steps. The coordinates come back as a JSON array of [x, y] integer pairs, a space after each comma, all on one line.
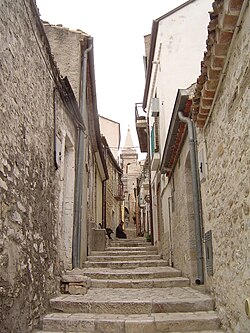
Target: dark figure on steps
[[108, 231], [119, 231]]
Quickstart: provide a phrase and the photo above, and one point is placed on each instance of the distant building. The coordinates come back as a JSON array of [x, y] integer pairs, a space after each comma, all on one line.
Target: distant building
[[131, 170], [112, 132], [113, 191], [143, 222]]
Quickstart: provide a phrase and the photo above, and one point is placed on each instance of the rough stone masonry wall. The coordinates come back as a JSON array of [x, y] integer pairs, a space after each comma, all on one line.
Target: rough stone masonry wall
[[29, 184], [182, 216], [226, 191], [112, 204], [109, 195]]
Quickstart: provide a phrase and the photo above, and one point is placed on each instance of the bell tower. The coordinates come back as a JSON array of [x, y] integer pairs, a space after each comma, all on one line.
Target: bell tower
[[131, 170]]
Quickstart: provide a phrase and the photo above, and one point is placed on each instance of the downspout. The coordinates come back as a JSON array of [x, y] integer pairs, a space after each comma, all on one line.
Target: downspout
[[150, 189], [76, 246], [104, 196], [170, 233], [54, 136], [196, 197], [104, 209]]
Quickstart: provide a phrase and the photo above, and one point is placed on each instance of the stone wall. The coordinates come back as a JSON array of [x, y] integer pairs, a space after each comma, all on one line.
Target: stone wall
[[178, 217], [110, 196], [225, 192], [67, 47], [30, 186], [62, 40], [113, 205]]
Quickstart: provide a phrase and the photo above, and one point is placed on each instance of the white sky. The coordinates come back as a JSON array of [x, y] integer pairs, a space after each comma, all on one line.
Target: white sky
[[118, 28]]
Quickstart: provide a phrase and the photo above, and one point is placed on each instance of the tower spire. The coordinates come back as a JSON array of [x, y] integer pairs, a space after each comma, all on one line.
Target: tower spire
[[129, 142]]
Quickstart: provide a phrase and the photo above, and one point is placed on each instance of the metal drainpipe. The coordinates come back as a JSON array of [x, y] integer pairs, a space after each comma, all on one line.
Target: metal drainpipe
[[170, 233], [196, 197], [54, 114], [76, 246], [150, 189]]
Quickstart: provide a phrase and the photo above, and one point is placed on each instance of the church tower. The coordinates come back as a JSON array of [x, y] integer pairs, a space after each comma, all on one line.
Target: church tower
[[129, 155], [131, 170]]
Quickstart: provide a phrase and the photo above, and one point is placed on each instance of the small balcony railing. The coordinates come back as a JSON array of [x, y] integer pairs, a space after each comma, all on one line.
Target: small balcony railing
[[141, 127], [118, 191]]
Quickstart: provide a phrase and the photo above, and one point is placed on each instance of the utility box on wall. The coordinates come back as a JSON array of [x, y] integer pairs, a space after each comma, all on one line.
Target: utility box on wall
[[209, 252], [155, 107]]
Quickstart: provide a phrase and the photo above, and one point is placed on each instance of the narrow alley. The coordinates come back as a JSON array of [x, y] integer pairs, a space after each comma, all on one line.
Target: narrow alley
[[142, 229]]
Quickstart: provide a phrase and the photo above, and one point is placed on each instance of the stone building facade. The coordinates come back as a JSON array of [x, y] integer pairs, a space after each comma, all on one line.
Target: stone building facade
[[113, 186], [73, 52], [223, 124], [36, 115], [143, 225], [43, 154], [204, 169], [112, 213], [131, 168], [169, 67]]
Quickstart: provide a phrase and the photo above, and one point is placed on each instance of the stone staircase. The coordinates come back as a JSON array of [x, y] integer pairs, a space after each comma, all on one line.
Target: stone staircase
[[132, 290]]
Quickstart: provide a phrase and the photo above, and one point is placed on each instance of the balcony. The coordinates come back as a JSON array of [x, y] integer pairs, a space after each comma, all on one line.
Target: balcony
[[155, 154], [155, 161], [118, 191], [141, 127]]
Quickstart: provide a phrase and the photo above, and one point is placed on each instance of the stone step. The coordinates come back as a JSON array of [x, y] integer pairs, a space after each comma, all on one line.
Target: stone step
[[123, 253], [136, 273], [135, 301], [131, 233], [127, 244], [141, 283], [207, 331], [154, 323], [126, 264], [127, 257], [132, 248]]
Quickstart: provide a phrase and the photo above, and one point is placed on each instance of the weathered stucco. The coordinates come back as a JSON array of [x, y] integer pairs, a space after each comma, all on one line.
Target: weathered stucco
[[113, 205], [62, 40], [179, 46], [30, 186], [225, 192]]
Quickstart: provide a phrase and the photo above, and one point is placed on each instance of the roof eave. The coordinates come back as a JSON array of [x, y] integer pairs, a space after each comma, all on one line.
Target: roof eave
[[95, 111], [180, 104], [154, 32]]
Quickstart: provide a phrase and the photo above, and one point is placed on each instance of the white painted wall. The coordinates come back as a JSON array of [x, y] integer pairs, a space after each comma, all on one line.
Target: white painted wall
[[68, 201], [181, 42], [180, 45], [111, 130]]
